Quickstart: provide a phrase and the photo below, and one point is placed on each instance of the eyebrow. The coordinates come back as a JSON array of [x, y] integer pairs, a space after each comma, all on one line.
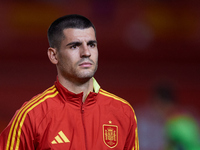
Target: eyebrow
[[73, 43], [92, 42], [79, 43]]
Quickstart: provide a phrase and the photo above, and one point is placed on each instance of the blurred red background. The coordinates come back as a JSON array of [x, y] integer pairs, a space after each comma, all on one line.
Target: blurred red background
[[140, 44]]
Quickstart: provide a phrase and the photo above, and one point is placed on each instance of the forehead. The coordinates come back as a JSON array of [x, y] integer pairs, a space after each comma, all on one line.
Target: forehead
[[79, 34]]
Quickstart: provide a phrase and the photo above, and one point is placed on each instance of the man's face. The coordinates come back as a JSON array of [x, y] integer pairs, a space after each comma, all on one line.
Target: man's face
[[78, 54]]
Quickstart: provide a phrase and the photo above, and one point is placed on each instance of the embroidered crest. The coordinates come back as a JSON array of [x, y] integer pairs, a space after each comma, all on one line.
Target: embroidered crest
[[110, 135]]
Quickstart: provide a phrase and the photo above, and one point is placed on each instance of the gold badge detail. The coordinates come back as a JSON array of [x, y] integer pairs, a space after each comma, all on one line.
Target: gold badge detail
[[110, 135]]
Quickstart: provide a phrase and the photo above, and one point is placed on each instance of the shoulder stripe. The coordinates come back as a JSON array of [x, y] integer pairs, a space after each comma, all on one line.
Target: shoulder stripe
[[136, 140], [114, 96], [21, 115], [103, 92]]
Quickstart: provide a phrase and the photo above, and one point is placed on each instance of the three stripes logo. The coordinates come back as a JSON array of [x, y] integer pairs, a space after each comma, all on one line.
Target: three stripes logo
[[60, 138]]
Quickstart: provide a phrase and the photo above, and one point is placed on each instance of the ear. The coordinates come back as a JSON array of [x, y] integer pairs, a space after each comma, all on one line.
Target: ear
[[52, 54]]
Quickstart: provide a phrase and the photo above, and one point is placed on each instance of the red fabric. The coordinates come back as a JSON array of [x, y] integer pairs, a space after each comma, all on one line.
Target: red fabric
[[57, 119]]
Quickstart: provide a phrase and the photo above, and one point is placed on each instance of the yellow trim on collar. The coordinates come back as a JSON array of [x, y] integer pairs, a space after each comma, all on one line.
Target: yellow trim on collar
[[95, 85]]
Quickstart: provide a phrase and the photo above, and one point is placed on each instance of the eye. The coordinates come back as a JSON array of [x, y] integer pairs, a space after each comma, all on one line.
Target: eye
[[92, 45], [73, 47]]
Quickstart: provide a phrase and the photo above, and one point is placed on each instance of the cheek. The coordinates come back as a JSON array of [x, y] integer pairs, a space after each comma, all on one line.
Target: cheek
[[65, 57], [70, 62], [96, 56], [64, 61]]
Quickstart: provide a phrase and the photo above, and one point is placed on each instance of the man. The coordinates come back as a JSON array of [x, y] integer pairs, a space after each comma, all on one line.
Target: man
[[75, 113]]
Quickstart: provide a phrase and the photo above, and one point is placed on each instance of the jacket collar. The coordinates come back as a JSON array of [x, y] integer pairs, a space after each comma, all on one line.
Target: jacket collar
[[76, 99]]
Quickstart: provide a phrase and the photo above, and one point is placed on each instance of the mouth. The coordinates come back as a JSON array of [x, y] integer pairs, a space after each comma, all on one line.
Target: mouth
[[85, 64]]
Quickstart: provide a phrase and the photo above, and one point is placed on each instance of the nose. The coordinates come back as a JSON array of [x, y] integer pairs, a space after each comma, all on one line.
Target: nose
[[85, 51]]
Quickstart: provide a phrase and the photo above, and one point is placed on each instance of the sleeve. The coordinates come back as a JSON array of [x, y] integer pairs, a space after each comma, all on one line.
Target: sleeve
[[18, 135], [132, 141]]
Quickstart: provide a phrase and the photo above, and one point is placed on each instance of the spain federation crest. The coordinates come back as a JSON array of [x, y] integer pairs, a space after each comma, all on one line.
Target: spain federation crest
[[110, 135]]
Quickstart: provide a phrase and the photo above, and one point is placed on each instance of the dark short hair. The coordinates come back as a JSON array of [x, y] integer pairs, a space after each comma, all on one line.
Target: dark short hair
[[55, 31]]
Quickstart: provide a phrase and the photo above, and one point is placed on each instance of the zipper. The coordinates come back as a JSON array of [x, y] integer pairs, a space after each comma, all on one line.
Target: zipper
[[82, 113]]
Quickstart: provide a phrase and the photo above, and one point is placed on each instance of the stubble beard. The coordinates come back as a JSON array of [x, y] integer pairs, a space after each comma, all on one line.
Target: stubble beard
[[80, 75], [84, 75]]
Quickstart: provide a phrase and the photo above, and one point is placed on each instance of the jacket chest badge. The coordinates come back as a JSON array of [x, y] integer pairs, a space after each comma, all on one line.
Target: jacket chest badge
[[110, 135]]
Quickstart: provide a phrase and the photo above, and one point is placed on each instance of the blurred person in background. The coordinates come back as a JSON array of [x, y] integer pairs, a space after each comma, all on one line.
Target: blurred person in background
[[152, 116], [75, 113], [161, 122]]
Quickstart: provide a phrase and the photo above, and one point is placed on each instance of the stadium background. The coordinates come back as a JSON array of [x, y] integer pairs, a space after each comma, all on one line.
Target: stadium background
[[140, 44]]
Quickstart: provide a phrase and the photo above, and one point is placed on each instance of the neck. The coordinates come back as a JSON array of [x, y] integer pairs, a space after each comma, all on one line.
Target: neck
[[78, 87]]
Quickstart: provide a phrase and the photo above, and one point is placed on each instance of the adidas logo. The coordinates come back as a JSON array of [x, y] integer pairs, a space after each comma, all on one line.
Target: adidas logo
[[60, 138]]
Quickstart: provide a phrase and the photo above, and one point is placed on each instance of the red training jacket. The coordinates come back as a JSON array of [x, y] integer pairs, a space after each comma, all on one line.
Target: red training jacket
[[58, 120]]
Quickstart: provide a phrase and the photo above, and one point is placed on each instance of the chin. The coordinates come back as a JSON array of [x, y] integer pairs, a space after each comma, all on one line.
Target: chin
[[86, 76]]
